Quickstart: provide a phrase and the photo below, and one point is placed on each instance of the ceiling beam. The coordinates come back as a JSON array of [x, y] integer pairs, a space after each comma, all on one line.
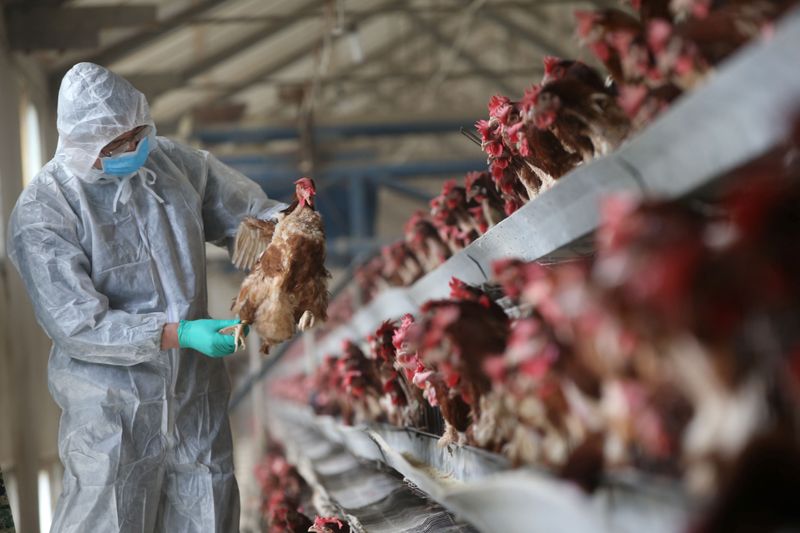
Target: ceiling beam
[[444, 9], [417, 51], [374, 79], [386, 54], [37, 2], [287, 60], [141, 40], [468, 58], [526, 33], [413, 52], [232, 89], [152, 84], [42, 27], [331, 132], [380, 54], [216, 58]]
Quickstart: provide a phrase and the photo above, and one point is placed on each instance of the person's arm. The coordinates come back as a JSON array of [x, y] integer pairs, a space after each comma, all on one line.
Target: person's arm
[[228, 197], [169, 336], [44, 247]]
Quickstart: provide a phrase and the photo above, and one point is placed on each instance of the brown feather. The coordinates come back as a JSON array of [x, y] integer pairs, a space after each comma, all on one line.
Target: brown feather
[[252, 238], [289, 277]]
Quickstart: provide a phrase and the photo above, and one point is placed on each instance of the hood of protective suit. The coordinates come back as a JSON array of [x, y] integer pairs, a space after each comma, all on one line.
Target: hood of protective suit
[[95, 106]]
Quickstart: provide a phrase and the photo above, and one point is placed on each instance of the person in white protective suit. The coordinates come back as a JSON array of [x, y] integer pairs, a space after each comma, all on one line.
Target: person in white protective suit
[[109, 240]]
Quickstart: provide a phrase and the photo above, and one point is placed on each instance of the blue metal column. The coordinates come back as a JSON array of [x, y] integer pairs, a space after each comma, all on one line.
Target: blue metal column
[[358, 207]]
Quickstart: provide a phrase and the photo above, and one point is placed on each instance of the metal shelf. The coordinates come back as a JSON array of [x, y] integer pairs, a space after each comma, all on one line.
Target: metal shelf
[[739, 114], [481, 487], [371, 497]]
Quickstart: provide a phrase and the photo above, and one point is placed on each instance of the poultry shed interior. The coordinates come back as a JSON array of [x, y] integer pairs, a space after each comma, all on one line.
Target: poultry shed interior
[[543, 277]]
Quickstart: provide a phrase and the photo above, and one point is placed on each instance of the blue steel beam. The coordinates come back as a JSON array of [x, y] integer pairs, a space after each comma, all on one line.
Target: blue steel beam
[[257, 135], [270, 160], [357, 199], [398, 170], [259, 159], [402, 188], [346, 195]]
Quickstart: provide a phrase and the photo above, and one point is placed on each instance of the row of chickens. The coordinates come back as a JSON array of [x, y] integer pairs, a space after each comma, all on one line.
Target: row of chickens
[[671, 351], [576, 113], [670, 46], [524, 158], [458, 216], [283, 491], [567, 119]]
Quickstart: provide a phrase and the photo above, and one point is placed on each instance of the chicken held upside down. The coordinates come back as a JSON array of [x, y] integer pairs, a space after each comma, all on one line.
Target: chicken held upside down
[[287, 287]]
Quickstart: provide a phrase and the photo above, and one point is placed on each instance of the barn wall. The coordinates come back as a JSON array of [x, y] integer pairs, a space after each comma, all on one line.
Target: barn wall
[[28, 437]]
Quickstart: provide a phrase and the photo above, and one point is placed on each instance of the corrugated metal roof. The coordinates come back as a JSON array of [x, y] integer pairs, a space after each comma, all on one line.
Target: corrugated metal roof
[[292, 41], [414, 60]]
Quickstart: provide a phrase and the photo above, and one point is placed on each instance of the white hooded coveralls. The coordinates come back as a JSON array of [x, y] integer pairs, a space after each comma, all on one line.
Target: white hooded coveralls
[[144, 434]]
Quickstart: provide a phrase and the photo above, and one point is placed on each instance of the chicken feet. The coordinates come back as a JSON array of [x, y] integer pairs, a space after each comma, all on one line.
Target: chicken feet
[[238, 334], [307, 321]]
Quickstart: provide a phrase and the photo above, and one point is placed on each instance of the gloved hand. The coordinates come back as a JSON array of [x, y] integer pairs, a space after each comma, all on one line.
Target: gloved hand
[[204, 336]]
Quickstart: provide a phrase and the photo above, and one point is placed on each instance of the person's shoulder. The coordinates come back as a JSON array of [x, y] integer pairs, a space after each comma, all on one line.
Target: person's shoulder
[[174, 148], [48, 182], [191, 162], [46, 191]]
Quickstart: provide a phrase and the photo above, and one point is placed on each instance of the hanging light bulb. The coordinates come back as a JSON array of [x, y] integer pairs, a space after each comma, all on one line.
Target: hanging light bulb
[[353, 39]]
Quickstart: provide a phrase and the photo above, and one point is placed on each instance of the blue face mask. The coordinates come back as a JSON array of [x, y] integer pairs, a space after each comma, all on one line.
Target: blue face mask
[[127, 163]]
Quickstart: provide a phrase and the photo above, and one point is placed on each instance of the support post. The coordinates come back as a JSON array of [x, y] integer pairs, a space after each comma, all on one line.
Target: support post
[[358, 207]]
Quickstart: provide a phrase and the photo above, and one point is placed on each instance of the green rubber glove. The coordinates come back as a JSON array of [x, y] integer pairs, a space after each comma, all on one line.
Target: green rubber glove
[[204, 336]]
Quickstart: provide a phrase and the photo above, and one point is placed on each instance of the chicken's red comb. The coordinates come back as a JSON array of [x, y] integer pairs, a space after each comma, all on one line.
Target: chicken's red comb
[[321, 523], [448, 186], [456, 196], [496, 102], [400, 334], [510, 206], [484, 128], [550, 62], [457, 287], [306, 182], [494, 149], [529, 98], [631, 98], [413, 220], [659, 32], [471, 178], [585, 20]]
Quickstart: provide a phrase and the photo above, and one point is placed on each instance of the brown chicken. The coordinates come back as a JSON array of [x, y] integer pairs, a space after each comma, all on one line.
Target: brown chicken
[[585, 120], [362, 384], [402, 401], [452, 339], [481, 191], [286, 289], [424, 240], [400, 265], [450, 212], [282, 493]]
